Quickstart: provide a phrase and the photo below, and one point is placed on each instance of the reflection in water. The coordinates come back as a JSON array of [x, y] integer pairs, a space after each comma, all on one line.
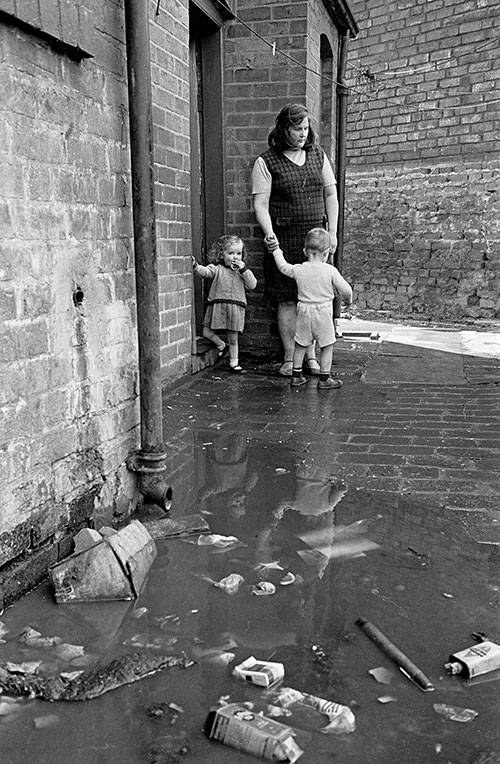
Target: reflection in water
[[352, 554]]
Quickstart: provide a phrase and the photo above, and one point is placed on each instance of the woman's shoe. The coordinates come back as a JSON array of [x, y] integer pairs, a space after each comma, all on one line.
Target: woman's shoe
[[312, 367], [285, 369], [329, 384]]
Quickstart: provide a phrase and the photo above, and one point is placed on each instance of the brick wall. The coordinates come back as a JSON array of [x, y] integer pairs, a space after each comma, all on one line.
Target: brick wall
[[257, 85], [422, 233], [68, 360], [169, 34]]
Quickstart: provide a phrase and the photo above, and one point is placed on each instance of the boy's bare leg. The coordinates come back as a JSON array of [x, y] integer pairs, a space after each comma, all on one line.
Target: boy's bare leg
[[326, 359], [298, 357]]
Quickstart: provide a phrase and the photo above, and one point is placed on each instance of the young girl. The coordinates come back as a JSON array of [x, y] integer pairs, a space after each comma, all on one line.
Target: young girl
[[226, 298]]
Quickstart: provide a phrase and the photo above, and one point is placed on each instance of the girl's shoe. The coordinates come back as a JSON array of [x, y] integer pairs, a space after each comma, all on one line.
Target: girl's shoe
[[222, 353], [236, 370], [329, 384], [285, 369], [312, 367]]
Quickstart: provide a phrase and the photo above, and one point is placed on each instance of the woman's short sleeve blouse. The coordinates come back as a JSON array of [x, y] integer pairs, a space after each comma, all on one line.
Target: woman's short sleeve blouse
[[262, 182]]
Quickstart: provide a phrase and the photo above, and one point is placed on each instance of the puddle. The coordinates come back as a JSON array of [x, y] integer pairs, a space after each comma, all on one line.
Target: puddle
[[413, 570]]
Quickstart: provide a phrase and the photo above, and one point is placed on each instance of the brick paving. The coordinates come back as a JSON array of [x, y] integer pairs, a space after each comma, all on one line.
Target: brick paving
[[437, 442]]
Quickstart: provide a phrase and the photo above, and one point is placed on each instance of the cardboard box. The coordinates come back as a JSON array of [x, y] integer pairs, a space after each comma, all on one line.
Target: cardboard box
[[261, 673], [114, 568], [241, 728]]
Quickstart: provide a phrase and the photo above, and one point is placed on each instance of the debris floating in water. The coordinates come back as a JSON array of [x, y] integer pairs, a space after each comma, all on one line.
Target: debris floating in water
[[405, 664], [455, 713], [382, 675]]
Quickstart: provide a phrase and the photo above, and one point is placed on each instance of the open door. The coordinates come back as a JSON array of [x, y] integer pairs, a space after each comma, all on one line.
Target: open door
[[208, 201]]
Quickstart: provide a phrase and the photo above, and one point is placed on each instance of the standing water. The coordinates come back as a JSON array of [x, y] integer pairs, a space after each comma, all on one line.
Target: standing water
[[334, 555]]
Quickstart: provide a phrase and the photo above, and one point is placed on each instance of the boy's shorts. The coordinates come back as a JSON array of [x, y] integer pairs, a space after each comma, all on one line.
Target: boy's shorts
[[314, 323]]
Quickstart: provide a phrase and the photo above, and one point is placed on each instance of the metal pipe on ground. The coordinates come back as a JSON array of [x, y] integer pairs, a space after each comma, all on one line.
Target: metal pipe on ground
[[394, 653], [150, 461]]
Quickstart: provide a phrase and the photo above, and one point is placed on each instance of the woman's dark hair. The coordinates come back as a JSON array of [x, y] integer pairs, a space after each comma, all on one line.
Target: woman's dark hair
[[290, 115]]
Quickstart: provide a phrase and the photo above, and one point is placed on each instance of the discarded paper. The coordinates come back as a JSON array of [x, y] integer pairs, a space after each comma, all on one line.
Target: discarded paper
[[341, 718], [382, 675], [230, 584], [263, 589], [455, 713]]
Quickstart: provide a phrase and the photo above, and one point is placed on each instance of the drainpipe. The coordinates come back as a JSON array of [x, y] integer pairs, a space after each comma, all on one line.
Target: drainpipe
[[150, 461], [342, 93]]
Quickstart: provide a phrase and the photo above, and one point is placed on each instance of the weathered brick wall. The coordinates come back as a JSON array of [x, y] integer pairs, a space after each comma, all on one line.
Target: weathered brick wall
[[257, 85], [169, 33], [68, 392], [422, 216]]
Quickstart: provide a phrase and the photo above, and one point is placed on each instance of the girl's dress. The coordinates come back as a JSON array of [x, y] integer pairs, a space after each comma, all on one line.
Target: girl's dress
[[227, 296]]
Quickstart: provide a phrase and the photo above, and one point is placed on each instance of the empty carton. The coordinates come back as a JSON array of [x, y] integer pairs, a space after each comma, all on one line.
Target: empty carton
[[261, 673], [241, 728]]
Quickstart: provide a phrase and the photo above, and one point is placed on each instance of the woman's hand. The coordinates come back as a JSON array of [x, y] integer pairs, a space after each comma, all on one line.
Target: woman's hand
[[333, 242], [271, 242]]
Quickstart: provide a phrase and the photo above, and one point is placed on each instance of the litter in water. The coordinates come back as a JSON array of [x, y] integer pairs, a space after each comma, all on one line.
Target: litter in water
[[476, 660], [239, 727], [455, 713], [340, 718], [382, 675], [405, 664], [264, 589], [261, 673]]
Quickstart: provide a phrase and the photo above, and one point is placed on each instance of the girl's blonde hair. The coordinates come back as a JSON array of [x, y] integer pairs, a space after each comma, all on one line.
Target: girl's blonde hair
[[216, 252]]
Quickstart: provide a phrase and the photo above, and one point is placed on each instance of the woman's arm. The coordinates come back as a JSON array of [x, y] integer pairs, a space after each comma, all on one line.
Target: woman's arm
[[332, 212], [261, 210]]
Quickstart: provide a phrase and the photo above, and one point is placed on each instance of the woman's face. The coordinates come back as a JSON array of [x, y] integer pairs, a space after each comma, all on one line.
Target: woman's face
[[297, 134]]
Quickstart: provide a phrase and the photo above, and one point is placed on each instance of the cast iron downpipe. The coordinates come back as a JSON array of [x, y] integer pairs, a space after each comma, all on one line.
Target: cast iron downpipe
[[342, 94], [150, 460]]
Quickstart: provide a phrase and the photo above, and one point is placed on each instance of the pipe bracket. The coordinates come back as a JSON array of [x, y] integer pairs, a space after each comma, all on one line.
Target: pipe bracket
[[146, 463]]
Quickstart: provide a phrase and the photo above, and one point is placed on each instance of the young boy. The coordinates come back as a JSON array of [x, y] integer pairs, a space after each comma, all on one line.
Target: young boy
[[317, 283]]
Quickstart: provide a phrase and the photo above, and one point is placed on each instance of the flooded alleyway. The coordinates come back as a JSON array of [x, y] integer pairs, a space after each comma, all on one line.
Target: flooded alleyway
[[378, 501]]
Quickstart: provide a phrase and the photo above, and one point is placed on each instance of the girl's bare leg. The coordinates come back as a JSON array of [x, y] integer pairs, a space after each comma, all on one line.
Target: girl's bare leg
[[232, 338], [213, 337]]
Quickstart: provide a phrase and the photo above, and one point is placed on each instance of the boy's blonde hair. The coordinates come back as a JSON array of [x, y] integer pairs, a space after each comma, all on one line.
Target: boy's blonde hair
[[317, 240], [216, 253]]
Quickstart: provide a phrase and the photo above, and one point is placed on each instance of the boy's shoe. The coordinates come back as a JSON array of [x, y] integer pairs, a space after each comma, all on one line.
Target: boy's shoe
[[329, 384], [297, 381]]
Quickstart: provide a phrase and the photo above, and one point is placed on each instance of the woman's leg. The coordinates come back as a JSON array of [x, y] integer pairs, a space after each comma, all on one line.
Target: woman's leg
[[286, 327]]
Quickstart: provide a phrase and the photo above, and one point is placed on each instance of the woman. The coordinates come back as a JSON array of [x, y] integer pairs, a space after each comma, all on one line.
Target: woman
[[294, 190]]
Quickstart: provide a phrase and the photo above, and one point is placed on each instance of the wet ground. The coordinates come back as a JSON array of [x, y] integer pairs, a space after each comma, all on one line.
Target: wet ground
[[381, 499]]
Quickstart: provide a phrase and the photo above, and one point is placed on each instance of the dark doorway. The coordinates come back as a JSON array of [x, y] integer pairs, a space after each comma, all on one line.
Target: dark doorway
[[327, 123], [207, 144]]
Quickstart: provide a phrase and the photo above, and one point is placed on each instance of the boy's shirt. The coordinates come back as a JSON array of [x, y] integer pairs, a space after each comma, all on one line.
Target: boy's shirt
[[316, 282]]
